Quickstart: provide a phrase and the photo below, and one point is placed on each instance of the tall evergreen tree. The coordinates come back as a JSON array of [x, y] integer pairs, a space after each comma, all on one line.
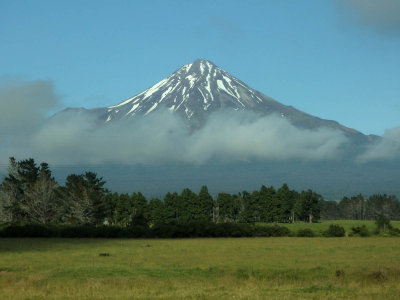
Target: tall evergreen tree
[[228, 207], [12, 193], [139, 204], [87, 196], [172, 209], [41, 202], [330, 210], [28, 192], [190, 206], [156, 211], [250, 209], [206, 205], [247, 207], [284, 204], [307, 207], [97, 195], [123, 212], [140, 209], [267, 203]]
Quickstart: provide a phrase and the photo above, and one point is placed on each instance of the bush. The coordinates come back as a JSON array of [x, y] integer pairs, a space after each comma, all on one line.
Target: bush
[[382, 224], [360, 231], [306, 232], [270, 231], [334, 231], [28, 230], [90, 231], [394, 232]]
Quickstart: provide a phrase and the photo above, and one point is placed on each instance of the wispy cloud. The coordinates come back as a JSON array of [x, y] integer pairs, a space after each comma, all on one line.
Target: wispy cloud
[[383, 15], [24, 104], [387, 149]]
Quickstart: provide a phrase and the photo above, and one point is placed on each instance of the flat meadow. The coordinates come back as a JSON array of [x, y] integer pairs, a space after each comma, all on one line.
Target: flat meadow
[[202, 268]]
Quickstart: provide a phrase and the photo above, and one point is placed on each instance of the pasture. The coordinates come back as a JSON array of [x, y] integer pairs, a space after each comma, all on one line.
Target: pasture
[[223, 268]]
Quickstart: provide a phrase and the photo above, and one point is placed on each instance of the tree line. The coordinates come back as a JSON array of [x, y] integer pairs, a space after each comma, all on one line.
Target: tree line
[[361, 207], [30, 194]]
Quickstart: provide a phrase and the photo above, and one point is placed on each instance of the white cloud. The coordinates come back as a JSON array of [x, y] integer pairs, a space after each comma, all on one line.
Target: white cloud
[[24, 104], [245, 136], [386, 149], [378, 14]]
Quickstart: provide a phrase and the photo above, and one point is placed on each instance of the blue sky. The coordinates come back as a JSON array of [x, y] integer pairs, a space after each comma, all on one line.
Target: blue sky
[[335, 59]]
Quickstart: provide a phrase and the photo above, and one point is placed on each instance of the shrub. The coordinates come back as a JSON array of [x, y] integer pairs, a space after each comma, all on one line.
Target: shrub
[[382, 224], [306, 232], [270, 231], [334, 231], [394, 232], [360, 231], [391, 233], [28, 230], [137, 231]]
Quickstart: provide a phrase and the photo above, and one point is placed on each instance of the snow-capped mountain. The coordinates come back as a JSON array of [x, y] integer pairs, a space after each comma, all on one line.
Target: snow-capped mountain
[[193, 91], [197, 89]]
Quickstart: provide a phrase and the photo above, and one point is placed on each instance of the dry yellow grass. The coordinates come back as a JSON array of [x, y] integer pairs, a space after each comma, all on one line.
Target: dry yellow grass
[[245, 268]]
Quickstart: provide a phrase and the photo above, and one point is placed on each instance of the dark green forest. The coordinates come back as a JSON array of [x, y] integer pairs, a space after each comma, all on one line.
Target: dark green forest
[[30, 194]]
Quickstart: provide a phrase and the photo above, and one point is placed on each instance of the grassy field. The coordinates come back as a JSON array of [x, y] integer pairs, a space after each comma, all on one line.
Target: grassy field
[[227, 268]]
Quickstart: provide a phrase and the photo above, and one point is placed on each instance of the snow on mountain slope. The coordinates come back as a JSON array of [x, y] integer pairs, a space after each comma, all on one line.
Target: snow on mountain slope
[[193, 91], [200, 88]]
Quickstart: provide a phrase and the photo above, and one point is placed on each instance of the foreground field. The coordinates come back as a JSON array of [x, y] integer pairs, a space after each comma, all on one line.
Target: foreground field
[[252, 268]]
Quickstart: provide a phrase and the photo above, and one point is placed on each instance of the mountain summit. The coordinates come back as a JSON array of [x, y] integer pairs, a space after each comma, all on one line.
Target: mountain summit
[[197, 89], [193, 91]]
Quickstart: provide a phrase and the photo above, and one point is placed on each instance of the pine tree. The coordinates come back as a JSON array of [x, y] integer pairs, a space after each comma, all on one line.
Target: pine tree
[[28, 192], [189, 204], [156, 211], [87, 198], [228, 207], [206, 205], [41, 203], [172, 211], [140, 214], [307, 206], [123, 209]]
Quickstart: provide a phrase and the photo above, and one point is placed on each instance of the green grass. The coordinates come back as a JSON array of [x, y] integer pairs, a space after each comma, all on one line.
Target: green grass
[[227, 268], [324, 225]]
